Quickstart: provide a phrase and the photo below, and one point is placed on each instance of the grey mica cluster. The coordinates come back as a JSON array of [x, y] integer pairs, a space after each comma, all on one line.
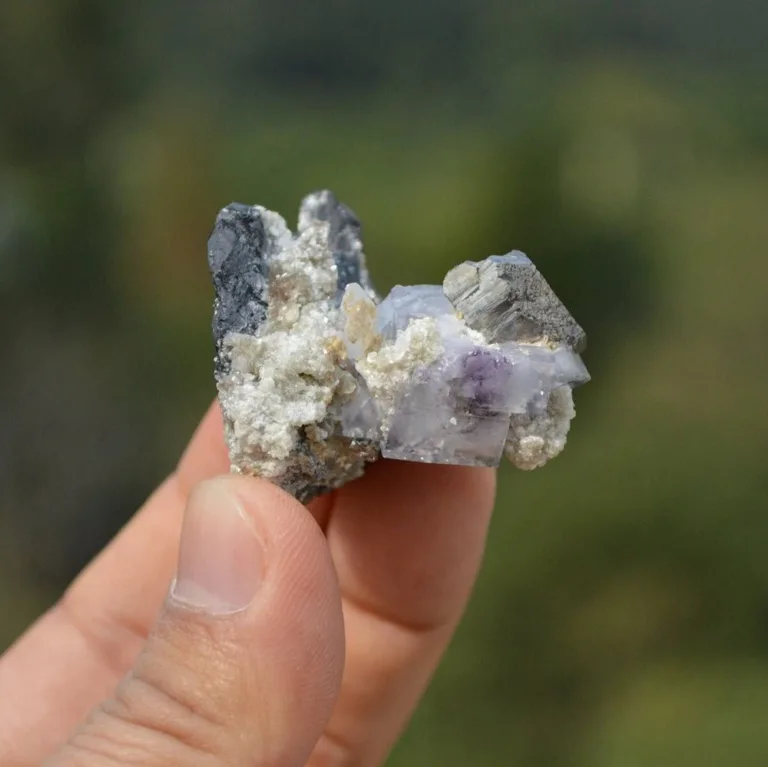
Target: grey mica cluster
[[317, 377]]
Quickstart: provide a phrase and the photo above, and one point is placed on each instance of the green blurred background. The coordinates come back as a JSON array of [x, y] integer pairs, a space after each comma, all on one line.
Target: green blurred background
[[621, 619]]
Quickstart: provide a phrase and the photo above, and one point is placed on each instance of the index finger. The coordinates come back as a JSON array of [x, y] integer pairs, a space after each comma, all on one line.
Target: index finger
[[407, 541]]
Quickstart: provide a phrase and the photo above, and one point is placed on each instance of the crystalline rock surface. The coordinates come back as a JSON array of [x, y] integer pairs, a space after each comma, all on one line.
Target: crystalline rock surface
[[317, 376]]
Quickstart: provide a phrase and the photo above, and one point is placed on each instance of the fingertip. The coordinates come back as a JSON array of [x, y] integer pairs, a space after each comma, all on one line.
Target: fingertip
[[222, 551], [408, 538], [258, 493], [284, 526], [460, 486]]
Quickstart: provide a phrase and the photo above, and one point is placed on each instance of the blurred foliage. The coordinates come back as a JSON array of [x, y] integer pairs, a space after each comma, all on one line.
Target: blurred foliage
[[622, 614]]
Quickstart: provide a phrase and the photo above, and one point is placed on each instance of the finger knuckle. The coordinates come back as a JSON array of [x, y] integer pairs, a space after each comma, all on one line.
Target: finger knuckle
[[151, 722]]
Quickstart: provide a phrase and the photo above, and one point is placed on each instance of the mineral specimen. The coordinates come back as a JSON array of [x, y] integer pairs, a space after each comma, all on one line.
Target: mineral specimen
[[317, 377]]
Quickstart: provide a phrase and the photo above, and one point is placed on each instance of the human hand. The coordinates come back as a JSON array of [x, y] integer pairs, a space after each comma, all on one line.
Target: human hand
[[288, 637]]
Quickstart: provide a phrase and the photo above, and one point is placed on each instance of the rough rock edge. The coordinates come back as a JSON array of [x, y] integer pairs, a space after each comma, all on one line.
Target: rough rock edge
[[284, 381], [533, 440]]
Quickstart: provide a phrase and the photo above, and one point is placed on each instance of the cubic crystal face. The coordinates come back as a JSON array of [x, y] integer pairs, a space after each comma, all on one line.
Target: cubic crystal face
[[317, 377]]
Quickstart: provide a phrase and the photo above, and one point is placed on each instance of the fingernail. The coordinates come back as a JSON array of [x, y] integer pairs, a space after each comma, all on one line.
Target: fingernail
[[220, 556]]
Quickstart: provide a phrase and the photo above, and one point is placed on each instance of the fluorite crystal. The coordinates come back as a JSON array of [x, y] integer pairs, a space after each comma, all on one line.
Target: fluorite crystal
[[317, 377]]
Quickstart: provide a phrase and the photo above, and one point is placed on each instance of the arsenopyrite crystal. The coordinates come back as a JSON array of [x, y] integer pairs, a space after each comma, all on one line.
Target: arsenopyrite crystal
[[317, 377]]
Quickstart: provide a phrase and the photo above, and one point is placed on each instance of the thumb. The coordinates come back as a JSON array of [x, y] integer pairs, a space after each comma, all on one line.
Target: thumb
[[244, 663]]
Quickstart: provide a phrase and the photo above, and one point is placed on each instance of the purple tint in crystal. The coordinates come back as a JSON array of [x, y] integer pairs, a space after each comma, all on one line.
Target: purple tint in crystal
[[431, 426], [485, 381], [317, 377]]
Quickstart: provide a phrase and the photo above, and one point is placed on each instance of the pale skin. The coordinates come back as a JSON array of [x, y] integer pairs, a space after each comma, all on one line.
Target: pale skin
[[322, 647]]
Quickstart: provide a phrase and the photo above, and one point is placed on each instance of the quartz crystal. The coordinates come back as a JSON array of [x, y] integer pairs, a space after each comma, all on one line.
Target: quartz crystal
[[317, 377]]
